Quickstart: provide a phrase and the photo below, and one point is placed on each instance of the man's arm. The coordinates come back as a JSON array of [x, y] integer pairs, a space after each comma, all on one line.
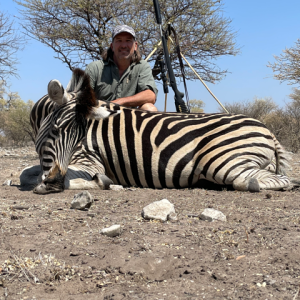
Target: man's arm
[[138, 99]]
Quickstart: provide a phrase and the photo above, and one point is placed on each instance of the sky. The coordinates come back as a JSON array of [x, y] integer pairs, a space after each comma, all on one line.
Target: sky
[[264, 28]]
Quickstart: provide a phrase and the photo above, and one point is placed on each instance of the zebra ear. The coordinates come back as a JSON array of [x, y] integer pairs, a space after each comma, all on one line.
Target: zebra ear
[[56, 92], [100, 112]]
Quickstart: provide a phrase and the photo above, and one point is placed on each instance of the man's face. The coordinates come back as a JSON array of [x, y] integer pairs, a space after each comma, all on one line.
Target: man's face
[[123, 46]]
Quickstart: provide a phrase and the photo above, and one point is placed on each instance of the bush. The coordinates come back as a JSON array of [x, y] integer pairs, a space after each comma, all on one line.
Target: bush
[[284, 123], [287, 123], [15, 128], [196, 106], [257, 109]]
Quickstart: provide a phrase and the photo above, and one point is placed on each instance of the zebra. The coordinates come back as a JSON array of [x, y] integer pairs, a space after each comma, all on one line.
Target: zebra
[[56, 96], [132, 147]]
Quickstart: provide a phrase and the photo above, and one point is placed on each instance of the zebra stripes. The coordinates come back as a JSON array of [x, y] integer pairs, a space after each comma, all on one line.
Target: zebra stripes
[[161, 150], [169, 150], [39, 112]]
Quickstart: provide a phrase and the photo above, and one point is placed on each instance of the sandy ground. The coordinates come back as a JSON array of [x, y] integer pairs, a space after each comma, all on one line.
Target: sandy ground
[[49, 251]]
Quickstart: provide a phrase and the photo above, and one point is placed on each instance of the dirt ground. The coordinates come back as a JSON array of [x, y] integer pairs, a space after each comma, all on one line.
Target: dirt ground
[[49, 251]]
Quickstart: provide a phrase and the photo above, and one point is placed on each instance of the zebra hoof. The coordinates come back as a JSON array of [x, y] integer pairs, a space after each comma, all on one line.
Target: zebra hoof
[[103, 181], [253, 186], [295, 182], [246, 185]]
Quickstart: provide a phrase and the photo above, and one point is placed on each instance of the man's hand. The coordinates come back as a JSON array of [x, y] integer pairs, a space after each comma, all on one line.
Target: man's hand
[[143, 100]]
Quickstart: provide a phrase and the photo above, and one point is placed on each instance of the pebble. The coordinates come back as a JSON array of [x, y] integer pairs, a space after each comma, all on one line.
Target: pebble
[[159, 210], [111, 231], [82, 201], [7, 182], [210, 214], [115, 187]]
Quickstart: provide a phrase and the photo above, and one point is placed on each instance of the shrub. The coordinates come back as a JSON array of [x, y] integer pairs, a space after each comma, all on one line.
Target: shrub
[[284, 123], [15, 128]]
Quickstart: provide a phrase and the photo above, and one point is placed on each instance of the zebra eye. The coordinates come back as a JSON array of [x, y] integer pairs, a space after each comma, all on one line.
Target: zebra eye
[[55, 130]]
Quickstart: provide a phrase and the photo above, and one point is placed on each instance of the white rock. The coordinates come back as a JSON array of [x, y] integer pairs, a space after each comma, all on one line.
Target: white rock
[[158, 210], [211, 214], [82, 201], [111, 231], [7, 182], [115, 187]]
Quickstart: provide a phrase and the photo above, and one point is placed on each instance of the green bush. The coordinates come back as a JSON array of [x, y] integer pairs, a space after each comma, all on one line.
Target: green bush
[[196, 106], [15, 128]]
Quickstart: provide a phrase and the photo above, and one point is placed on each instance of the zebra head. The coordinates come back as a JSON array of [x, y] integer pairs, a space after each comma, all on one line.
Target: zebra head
[[62, 131]]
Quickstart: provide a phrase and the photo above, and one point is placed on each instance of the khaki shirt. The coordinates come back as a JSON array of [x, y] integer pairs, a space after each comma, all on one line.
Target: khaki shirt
[[107, 84]]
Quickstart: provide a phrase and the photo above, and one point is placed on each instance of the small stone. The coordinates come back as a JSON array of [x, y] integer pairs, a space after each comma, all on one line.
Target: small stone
[[82, 201], [111, 231], [210, 214], [115, 187], [261, 284], [7, 182], [158, 210]]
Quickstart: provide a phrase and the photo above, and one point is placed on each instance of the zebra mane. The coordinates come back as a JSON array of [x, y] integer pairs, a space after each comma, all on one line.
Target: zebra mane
[[85, 98], [76, 81]]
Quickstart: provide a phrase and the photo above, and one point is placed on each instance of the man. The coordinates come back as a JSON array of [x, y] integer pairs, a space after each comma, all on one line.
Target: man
[[122, 77]]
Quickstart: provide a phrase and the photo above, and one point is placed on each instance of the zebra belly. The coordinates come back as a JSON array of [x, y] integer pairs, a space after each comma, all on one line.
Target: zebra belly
[[134, 168]]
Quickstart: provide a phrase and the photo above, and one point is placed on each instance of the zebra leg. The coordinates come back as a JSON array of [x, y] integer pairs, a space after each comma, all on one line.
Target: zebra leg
[[77, 179], [103, 181], [271, 167], [257, 179], [31, 176], [295, 182], [246, 185], [98, 181]]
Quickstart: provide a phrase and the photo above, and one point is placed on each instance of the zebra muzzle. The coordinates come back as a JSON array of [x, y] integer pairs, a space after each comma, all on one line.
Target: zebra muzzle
[[53, 183]]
